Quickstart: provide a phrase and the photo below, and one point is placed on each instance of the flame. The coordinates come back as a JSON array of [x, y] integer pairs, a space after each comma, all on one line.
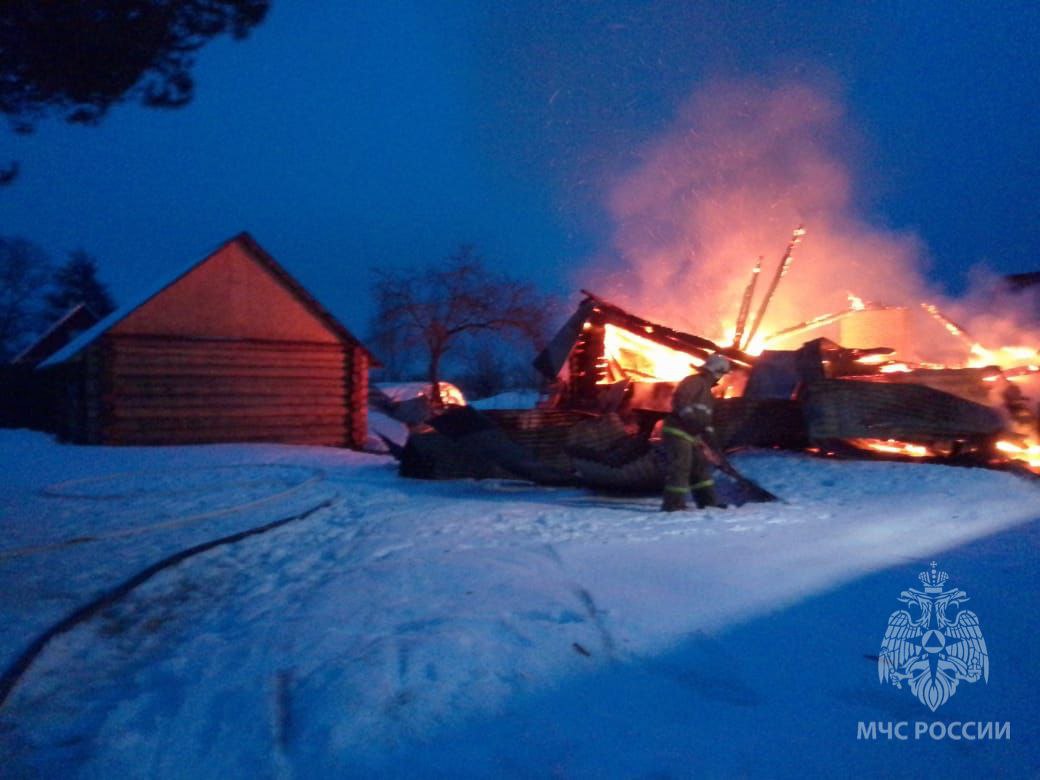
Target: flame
[[873, 360], [856, 303], [756, 347], [1028, 452], [638, 357], [1004, 357], [896, 368], [979, 356], [893, 447]]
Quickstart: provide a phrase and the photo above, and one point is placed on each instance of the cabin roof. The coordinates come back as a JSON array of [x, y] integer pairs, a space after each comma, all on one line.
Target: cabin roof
[[247, 243], [80, 313]]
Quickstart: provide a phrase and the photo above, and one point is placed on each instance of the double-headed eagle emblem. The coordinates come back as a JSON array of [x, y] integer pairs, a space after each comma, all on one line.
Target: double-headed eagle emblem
[[935, 651]]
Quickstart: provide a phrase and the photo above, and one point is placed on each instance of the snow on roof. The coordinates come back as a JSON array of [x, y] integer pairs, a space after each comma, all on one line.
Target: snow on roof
[[87, 337], [53, 328]]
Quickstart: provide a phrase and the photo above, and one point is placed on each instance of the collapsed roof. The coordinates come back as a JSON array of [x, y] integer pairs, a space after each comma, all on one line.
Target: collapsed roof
[[579, 344]]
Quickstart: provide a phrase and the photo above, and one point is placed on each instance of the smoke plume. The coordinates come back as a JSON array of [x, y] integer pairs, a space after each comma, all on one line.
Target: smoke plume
[[740, 167]]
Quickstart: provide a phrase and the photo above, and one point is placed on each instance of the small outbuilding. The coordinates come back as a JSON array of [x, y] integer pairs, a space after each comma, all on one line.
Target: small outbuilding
[[233, 349], [75, 321], [25, 400]]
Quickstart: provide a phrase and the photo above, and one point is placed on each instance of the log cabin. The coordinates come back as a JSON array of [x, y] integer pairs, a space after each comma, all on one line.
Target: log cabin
[[233, 349]]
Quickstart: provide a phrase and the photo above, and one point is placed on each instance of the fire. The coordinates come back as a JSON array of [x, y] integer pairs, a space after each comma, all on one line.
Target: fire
[[873, 360], [893, 447], [757, 346], [896, 368], [1027, 451], [856, 303], [1005, 357], [638, 357]]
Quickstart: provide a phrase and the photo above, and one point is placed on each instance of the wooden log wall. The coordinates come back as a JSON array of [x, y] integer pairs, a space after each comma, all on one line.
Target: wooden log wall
[[167, 390], [587, 367], [357, 396], [848, 409], [78, 390]]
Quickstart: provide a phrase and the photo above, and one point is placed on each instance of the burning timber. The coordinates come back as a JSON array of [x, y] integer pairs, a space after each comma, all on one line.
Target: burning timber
[[603, 350], [613, 374]]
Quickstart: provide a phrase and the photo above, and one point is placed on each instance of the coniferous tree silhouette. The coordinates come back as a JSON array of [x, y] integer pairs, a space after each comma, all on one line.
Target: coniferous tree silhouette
[[78, 59], [76, 282]]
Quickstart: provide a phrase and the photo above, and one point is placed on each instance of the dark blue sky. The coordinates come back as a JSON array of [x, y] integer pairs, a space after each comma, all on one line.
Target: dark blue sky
[[350, 135]]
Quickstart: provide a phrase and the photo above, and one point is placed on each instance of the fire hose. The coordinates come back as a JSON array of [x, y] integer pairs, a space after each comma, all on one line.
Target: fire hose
[[11, 676]]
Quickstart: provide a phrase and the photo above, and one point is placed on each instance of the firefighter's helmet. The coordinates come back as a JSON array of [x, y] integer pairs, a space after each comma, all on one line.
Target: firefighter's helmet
[[717, 364]]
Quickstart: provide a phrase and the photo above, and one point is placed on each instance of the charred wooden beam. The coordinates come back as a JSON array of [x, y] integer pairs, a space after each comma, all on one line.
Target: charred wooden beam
[[823, 319], [745, 303], [606, 312], [781, 270], [952, 327]]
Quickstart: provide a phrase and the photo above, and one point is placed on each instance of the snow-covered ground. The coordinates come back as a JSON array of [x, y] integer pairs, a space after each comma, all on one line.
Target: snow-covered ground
[[403, 628]]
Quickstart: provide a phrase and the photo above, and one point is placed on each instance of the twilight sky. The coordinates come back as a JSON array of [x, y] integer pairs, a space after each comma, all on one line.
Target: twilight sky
[[350, 135]]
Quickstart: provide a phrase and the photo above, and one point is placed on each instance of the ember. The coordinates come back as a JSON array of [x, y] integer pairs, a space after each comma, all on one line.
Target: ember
[[893, 447]]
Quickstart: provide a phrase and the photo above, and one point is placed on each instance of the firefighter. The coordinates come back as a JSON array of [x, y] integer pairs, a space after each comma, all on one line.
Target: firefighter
[[683, 430]]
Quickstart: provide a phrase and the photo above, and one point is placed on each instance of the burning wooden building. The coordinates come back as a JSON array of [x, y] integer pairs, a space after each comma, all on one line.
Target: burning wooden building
[[851, 382], [821, 395], [604, 357], [231, 349]]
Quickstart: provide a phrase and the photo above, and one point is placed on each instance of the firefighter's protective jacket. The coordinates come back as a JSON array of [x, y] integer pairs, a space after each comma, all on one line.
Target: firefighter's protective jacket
[[692, 405]]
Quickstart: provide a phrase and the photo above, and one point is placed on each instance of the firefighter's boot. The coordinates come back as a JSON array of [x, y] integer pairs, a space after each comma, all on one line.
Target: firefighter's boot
[[674, 501]]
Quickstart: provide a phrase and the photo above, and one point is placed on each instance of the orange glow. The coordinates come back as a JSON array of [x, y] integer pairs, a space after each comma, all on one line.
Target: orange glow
[[872, 360], [892, 447], [633, 355], [756, 347], [637, 358], [1005, 357], [1028, 452]]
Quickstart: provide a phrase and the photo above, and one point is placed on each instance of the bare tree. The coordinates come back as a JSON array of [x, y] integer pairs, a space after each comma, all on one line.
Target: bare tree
[[25, 271], [438, 306], [398, 357]]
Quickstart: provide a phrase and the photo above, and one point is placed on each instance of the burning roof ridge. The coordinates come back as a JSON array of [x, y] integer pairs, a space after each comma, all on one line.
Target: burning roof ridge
[[664, 335]]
